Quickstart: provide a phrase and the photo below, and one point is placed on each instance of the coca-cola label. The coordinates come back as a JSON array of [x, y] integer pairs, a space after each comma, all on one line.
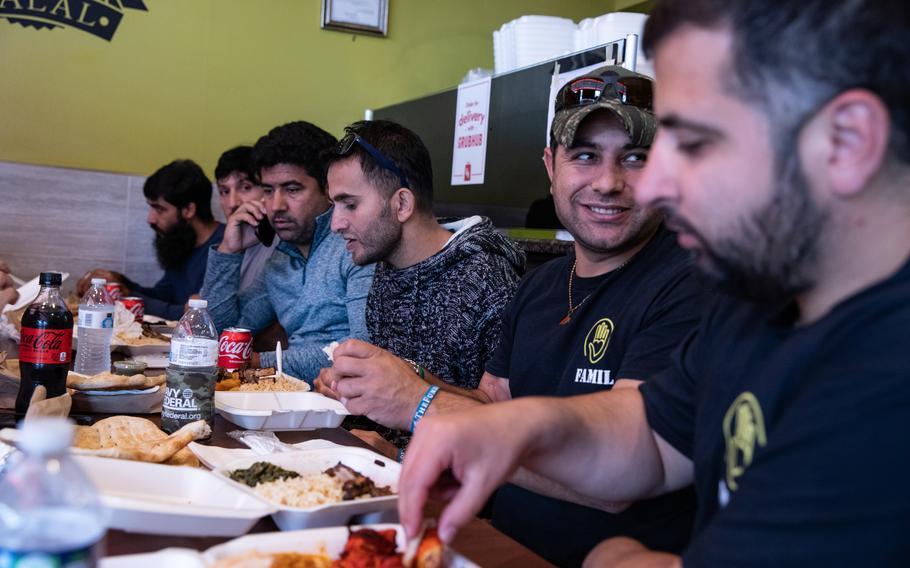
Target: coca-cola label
[[45, 346], [233, 354], [136, 306], [96, 319], [194, 352]]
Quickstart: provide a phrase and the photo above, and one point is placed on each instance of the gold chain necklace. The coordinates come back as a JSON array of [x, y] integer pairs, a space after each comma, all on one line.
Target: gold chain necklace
[[572, 308]]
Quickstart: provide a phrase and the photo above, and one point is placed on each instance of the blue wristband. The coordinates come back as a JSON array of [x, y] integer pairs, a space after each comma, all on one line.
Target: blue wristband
[[424, 404]]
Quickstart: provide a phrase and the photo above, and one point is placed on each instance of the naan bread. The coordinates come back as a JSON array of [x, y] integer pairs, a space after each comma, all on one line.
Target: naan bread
[[111, 381], [132, 438], [86, 437]]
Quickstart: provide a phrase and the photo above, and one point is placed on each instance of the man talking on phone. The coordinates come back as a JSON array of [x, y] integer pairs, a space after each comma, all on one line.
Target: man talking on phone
[[310, 284]]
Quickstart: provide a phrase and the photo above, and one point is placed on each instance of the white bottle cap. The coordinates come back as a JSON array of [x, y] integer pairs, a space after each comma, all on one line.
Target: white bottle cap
[[196, 303], [97, 281], [45, 436]]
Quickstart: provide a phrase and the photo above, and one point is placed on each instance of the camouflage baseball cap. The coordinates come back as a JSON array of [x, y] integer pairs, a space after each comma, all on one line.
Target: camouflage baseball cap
[[626, 93]]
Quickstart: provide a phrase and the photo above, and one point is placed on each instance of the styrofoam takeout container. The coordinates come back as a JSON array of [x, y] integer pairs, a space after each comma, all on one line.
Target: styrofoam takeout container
[[280, 410], [177, 500], [383, 471], [328, 541]]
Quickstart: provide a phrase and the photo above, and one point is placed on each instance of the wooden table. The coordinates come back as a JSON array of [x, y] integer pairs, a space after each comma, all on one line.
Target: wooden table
[[479, 541]]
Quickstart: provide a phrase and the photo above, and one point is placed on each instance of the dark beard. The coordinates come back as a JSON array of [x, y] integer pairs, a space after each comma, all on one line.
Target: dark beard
[[174, 246], [385, 240], [772, 257]]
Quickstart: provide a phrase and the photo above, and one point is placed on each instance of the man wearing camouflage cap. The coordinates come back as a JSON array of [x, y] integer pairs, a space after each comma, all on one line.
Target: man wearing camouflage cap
[[602, 318]]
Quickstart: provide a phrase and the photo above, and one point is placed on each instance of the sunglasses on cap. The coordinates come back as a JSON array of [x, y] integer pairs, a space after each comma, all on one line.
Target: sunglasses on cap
[[347, 144], [633, 91]]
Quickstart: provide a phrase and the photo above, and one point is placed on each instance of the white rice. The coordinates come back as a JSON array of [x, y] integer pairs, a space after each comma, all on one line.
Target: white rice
[[304, 492], [277, 384]]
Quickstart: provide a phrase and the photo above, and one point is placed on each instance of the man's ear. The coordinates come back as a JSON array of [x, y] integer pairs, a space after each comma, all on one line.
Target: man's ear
[[188, 212], [403, 204], [548, 157], [854, 130]]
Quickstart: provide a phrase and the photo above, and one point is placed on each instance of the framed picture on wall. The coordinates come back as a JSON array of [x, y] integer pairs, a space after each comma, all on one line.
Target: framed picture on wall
[[357, 16]]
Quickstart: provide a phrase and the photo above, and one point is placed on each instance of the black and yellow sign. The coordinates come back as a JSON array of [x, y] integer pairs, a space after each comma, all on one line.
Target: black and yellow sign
[[598, 339], [100, 18], [744, 433]]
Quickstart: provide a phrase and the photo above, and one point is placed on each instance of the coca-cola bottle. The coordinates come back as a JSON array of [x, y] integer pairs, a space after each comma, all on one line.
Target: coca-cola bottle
[[45, 345]]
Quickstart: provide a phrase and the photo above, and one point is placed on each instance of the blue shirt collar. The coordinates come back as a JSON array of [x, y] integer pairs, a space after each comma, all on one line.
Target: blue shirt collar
[[323, 228]]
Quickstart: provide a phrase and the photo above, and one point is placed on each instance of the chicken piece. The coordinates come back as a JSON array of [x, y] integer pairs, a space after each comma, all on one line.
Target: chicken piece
[[367, 548]]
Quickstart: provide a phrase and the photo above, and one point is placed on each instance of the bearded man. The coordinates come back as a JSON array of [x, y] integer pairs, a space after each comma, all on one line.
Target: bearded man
[[180, 212]]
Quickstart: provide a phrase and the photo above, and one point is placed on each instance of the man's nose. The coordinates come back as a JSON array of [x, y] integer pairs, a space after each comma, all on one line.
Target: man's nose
[[339, 223], [657, 180], [233, 201], [277, 200], [609, 179]]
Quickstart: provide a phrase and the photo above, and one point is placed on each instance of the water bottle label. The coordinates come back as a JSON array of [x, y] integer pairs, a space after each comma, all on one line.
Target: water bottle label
[[194, 352], [96, 319], [82, 558], [48, 346]]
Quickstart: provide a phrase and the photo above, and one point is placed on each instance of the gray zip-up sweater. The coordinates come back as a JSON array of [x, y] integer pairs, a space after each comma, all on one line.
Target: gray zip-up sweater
[[317, 300]]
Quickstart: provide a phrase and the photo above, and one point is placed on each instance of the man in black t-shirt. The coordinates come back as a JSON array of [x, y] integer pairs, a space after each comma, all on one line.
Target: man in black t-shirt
[[604, 317], [783, 161]]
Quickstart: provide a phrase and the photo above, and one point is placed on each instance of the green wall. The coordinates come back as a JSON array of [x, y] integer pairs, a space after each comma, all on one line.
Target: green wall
[[190, 78]]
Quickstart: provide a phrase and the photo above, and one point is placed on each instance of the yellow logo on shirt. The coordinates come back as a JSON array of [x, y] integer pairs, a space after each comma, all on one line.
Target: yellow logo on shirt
[[597, 340], [744, 429]]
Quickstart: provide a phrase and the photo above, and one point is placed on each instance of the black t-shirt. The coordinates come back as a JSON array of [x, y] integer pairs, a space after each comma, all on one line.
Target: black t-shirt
[[627, 328], [798, 434]]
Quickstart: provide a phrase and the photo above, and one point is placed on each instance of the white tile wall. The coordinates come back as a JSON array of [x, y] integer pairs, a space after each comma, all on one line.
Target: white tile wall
[[75, 220]]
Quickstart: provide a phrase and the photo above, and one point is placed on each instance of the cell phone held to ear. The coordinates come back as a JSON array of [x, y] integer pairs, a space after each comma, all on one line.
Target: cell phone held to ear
[[265, 232]]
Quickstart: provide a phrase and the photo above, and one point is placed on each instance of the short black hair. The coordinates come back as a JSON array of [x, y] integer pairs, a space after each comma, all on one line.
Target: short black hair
[[404, 148], [792, 56], [180, 183], [298, 143], [235, 160]]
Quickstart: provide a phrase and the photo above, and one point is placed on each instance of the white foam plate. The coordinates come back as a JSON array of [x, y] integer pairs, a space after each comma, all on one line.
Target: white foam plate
[[280, 410], [119, 392], [153, 349], [383, 471], [165, 499], [156, 320], [153, 360], [170, 557], [28, 292], [328, 541]]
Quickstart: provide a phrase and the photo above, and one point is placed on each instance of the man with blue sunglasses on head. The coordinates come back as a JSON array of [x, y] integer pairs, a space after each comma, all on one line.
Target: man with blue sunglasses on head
[[438, 290]]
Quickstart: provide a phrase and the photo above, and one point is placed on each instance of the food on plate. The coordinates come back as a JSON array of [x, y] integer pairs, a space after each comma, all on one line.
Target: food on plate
[[429, 552], [261, 472], [256, 559], [147, 336], [293, 489], [369, 548], [128, 331], [132, 438], [258, 380], [112, 381], [365, 548]]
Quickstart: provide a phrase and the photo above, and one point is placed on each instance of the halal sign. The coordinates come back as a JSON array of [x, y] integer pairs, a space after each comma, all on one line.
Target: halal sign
[[97, 17]]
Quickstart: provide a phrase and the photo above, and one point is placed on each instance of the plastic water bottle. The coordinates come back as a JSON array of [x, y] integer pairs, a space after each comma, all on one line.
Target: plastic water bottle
[[189, 393], [50, 515], [96, 327]]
